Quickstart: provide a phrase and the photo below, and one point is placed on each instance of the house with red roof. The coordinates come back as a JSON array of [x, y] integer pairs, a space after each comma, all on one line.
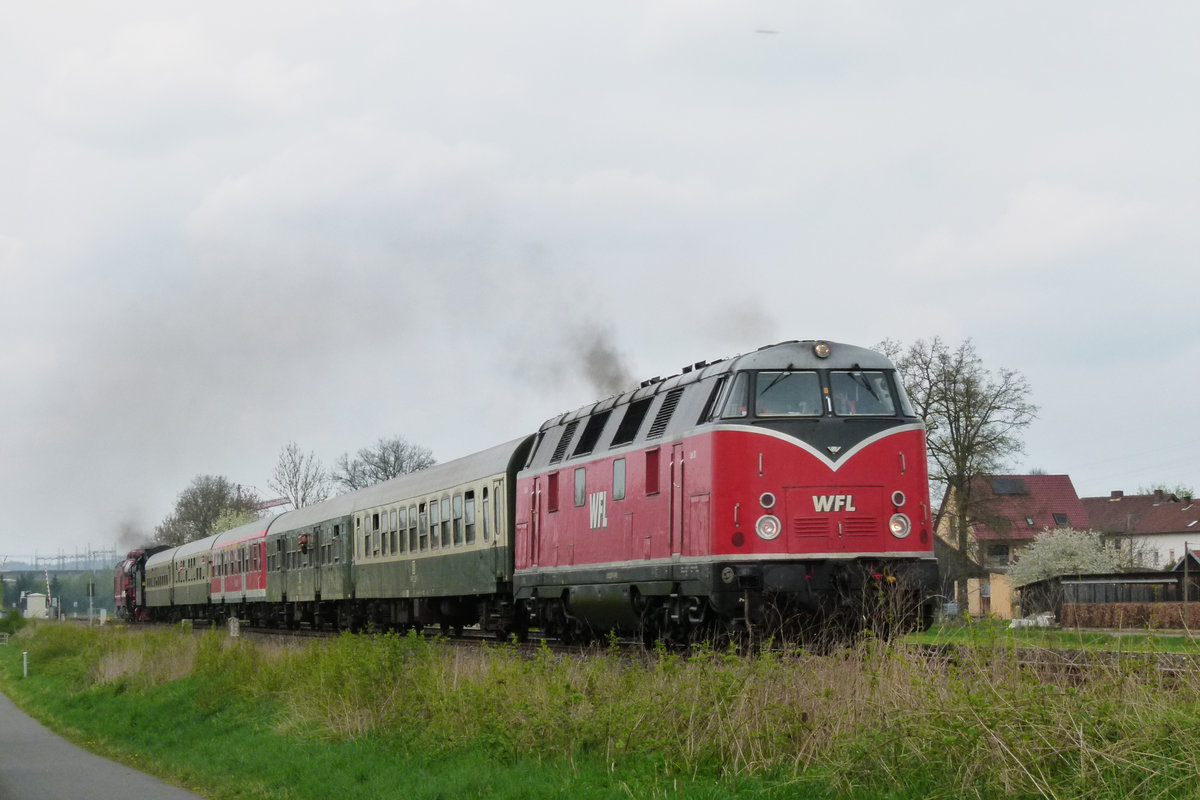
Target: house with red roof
[[1159, 525], [1006, 513]]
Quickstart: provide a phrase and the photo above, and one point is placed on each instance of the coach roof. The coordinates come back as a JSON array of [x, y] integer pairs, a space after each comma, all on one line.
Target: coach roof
[[415, 484]]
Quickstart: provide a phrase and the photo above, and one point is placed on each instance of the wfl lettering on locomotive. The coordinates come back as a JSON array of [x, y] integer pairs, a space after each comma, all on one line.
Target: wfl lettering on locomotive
[[776, 493]]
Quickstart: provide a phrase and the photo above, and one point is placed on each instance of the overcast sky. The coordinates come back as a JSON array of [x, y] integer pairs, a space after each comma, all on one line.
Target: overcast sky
[[224, 226]]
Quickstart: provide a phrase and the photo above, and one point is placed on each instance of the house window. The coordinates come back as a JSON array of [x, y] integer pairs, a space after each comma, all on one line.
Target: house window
[[1061, 519], [998, 552]]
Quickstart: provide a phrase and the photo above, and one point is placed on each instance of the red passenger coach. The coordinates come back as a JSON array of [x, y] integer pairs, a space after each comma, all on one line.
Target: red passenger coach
[[239, 568], [775, 491]]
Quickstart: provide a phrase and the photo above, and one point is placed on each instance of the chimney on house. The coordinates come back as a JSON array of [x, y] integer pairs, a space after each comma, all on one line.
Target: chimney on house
[[1158, 496], [1117, 494]]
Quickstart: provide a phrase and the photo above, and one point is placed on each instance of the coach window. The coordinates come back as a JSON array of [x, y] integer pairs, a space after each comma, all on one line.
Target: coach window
[[498, 526], [552, 492], [412, 530], [652, 471], [357, 541], [469, 516], [735, 404], [424, 530], [402, 527], [487, 533], [337, 536], [435, 525], [445, 522], [580, 486], [458, 519], [619, 479], [375, 530]]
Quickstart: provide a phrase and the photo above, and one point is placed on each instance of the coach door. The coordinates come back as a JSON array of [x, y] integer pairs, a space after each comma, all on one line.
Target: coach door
[[678, 509]]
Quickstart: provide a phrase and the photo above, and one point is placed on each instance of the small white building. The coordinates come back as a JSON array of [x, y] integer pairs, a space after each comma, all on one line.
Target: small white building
[[35, 605]]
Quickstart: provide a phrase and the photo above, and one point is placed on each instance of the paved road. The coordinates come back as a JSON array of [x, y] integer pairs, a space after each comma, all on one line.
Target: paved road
[[37, 765]]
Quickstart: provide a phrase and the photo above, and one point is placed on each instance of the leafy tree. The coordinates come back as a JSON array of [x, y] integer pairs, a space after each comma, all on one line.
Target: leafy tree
[[199, 508], [1178, 490], [1064, 551], [973, 421], [389, 458], [300, 477]]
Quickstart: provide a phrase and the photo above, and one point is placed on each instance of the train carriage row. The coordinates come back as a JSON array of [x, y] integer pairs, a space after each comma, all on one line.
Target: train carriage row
[[782, 487]]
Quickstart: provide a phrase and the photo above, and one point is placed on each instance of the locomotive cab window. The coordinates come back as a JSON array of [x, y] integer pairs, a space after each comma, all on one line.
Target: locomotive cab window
[[787, 394], [858, 393], [736, 404]]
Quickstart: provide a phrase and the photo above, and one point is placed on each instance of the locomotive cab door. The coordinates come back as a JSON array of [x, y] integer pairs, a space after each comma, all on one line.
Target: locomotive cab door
[[535, 519]]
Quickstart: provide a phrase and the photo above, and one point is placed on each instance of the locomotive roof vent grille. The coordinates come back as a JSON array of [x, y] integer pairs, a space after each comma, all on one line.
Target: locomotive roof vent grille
[[561, 449], [664, 413]]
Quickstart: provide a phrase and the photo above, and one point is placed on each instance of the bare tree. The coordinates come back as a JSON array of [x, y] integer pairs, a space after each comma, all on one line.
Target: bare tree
[[300, 477], [973, 421], [200, 506], [389, 458]]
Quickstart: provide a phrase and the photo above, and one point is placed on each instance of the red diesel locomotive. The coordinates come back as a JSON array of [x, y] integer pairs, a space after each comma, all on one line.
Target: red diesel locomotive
[[768, 493], [777, 490]]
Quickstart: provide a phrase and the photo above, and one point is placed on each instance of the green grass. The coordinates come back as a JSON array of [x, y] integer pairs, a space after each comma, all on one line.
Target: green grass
[[991, 633], [403, 716]]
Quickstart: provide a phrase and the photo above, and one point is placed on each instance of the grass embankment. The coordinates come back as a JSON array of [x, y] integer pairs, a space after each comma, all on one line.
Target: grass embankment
[[389, 716]]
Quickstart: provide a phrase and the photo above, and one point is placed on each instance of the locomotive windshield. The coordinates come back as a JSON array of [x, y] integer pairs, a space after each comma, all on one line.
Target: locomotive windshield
[[788, 394], [814, 393], [861, 393]]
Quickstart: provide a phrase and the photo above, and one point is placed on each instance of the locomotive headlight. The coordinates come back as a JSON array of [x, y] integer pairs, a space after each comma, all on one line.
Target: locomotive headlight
[[898, 499], [767, 527], [767, 500], [821, 349], [900, 526]]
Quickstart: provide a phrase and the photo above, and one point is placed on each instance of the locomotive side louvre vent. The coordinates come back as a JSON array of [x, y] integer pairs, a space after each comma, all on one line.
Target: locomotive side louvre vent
[[664, 413], [561, 449]]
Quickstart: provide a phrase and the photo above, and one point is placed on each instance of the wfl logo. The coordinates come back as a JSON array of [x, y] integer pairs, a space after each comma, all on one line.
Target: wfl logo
[[598, 509], [834, 502]]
